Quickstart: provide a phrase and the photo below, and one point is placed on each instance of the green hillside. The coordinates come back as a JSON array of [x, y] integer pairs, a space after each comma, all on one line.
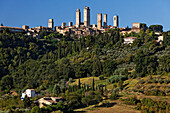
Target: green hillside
[[85, 71]]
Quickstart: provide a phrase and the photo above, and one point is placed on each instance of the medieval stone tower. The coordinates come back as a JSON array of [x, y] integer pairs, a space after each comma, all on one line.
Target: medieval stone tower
[[116, 21], [51, 23], [99, 21], [105, 21], [70, 24], [86, 16], [78, 17]]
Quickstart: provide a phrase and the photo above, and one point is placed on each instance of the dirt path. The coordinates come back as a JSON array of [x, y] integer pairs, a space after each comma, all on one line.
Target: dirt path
[[117, 107]]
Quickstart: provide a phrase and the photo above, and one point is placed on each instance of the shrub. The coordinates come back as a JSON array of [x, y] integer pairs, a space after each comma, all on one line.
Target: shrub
[[139, 105], [101, 77], [141, 81], [166, 81], [105, 104], [167, 90], [154, 92], [169, 76], [150, 106], [35, 109], [117, 90], [156, 86], [121, 71], [147, 102], [134, 90], [132, 100], [129, 76], [150, 86], [113, 96], [154, 80], [70, 80], [140, 90], [160, 81], [158, 77], [147, 81], [150, 77], [116, 78], [88, 75], [139, 75], [91, 98], [59, 106], [98, 97], [138, 86], [138, 78], [120, 84]]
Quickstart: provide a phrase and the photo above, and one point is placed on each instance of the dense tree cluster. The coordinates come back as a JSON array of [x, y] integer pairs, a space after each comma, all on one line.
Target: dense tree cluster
[[27, 62]]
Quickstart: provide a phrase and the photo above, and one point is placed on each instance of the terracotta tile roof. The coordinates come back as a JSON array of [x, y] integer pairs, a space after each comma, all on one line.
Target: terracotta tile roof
[[32, 89]]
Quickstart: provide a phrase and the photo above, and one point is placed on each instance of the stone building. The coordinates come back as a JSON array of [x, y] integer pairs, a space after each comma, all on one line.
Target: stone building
[[51, 23], [63, 25], [29, 93], [13, 29], [138, 26], [87, 16], [105, 21], [99, 21], [116, 21], [49, 101], [78, 17], [70, 24], [25, 27]]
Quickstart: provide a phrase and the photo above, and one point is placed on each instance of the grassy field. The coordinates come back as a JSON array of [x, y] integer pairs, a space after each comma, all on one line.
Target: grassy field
[[117, 106], [89, 80]]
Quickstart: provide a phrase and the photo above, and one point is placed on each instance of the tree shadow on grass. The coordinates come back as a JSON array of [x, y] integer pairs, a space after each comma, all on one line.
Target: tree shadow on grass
[[76, 112], [107, 104], [79, 111]]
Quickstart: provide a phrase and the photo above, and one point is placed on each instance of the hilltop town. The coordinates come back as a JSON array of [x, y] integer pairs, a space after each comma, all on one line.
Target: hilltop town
[[82, 28]]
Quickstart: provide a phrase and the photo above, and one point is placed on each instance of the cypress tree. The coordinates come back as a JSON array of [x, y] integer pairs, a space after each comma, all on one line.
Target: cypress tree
[[105, 87], [102, 89], [93, 85], [59, 52], [87, 87], [79, 84], [84, 88], [54, 89]]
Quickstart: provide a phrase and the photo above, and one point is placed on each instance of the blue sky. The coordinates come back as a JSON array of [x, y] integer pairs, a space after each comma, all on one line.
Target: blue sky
[[37, 12]]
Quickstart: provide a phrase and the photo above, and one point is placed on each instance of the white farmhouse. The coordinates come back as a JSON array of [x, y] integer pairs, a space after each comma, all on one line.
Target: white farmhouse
[[29, 93]]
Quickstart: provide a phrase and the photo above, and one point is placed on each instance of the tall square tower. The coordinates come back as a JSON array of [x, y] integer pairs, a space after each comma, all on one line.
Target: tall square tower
[[105, 21], [78, 17], [51, 23], [115, 21], [87, 16], [99, 20]]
